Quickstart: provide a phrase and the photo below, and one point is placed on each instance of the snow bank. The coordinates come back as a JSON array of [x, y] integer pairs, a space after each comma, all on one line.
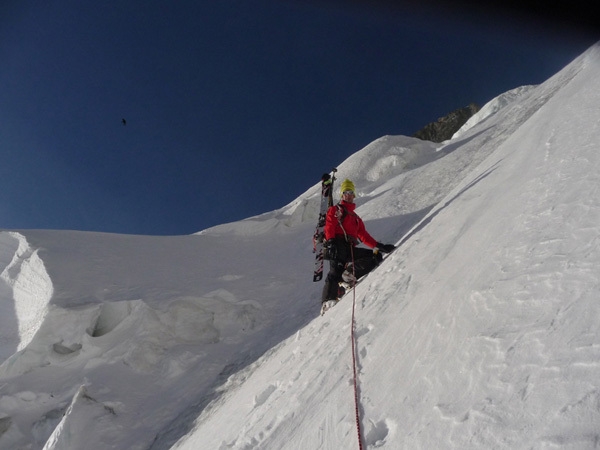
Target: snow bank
[[83, 410], [25, 290]]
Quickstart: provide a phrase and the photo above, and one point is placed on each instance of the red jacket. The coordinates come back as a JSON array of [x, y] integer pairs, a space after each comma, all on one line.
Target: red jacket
[[353, 225]]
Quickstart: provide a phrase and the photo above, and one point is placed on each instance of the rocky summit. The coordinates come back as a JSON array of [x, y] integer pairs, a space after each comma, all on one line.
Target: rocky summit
[[445, 127]]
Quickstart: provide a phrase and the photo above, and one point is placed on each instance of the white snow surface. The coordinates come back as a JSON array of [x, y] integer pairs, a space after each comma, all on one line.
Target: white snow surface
[[482, 331]]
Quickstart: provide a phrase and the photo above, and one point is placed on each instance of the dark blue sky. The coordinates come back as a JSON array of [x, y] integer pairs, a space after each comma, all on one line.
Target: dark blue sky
[[233, 107]]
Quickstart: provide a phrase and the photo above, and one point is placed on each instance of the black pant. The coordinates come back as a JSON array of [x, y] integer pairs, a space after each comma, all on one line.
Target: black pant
[[364, 261]]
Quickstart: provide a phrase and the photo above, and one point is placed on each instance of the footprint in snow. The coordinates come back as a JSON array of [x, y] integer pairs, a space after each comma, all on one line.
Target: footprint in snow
[[377, 432], [261, 398]]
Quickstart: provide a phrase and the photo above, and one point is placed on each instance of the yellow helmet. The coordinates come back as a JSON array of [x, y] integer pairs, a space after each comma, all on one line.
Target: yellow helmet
[[346, 185]]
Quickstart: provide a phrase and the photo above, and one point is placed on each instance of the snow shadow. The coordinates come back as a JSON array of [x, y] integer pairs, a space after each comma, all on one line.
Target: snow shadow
[[391, 229], [455, 144], [429, 218], [184, 423], [9, 329]]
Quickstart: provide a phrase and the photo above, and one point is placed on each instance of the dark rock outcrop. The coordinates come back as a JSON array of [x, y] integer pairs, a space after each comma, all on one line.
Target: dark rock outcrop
[[445, 127]]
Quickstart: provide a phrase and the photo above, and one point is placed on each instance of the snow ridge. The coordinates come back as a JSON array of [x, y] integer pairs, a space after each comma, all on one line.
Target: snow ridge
[[492, 107]]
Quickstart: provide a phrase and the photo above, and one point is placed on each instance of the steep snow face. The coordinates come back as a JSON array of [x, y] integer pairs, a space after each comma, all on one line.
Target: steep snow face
[[25, 290], [480, 331]]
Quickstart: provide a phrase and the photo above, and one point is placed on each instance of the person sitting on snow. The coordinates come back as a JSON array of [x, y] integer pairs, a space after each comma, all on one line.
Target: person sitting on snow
[[343, 231]]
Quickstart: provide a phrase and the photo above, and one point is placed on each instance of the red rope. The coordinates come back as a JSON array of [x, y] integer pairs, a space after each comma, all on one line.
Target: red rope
[[352, 337], [356, 399]]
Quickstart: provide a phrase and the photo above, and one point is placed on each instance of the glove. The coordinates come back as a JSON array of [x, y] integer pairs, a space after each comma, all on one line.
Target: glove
[[386, 248], [330, 252]]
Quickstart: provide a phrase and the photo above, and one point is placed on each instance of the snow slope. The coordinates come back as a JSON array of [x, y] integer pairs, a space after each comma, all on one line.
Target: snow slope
[[480, 331]]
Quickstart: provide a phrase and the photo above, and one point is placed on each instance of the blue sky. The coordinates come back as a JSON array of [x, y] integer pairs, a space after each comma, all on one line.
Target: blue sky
[[233, 107]]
